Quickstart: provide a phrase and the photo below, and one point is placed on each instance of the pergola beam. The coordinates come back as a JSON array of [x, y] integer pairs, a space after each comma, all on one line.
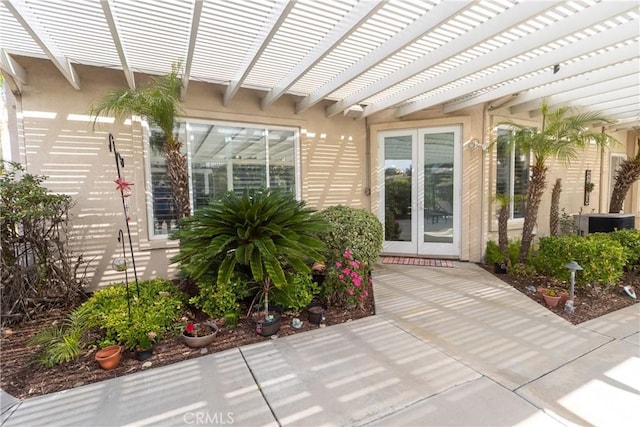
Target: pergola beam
[[11, 67], [193, 35], [606, 91], [555, 31], [429, 20], [625, 57], [31, 25], [503, 22], [253, 55], [114, 28], [350, 23]]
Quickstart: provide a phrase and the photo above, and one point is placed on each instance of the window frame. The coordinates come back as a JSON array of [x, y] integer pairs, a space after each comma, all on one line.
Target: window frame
[[511, 176], [186, 140]]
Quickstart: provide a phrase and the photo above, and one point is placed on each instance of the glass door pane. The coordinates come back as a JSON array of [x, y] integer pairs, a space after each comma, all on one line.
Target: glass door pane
[[398, 191], [439, 193], [438, 188]]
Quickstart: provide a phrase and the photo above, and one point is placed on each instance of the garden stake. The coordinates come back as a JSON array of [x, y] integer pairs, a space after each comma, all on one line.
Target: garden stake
[[126, 275], [122, 185]]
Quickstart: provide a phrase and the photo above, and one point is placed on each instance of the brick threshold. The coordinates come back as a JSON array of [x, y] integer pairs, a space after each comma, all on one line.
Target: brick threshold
[[427, 262]]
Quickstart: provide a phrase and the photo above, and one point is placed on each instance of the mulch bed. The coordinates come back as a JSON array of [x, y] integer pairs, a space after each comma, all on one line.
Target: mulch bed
[[589, 303], [22, 376]]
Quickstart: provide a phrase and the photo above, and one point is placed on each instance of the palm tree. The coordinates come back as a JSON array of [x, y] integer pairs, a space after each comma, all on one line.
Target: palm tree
[[267, 231], [626, 175], [160, 104], [560, 137]]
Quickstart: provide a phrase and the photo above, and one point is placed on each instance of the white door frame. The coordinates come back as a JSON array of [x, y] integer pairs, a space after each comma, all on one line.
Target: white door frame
[[417, 245]]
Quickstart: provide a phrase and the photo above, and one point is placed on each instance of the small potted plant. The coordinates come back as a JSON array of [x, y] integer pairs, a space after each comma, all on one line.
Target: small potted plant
[[551, 297], [197, 335], [144, 346]]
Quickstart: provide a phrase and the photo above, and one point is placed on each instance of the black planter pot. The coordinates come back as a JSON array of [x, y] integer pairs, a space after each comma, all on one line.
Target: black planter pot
[[142, 355], [266, 328], [315, 312], [500, 268]]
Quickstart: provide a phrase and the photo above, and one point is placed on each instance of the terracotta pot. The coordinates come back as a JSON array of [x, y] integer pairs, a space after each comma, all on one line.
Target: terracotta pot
[[203, 341], [564, 297], [551, 301], [540, 290], [109, 357]]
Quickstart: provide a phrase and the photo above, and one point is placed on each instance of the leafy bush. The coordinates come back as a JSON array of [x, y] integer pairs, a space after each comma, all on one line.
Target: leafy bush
[[352, 229], [630, 241], [601, 257], [493, 254], [219, 299], [267, 231], [152, 315], [297, 293], [347, 281], [37, 267]]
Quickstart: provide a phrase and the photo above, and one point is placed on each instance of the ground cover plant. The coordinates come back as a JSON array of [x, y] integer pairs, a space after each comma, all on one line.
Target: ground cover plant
[[219, 282], [599, 288]]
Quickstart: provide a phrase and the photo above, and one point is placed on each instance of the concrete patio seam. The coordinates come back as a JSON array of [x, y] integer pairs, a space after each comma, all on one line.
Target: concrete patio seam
[[255, 380], [515, 390], [10, 411], [417, 402]]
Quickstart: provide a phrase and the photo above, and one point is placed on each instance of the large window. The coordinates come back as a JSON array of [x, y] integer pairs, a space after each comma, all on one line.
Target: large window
[[512, 172], [222, 157]]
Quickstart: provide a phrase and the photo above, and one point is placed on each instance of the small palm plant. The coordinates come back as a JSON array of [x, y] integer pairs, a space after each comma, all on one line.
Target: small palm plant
[[266, 230], [560, 137], [160, 104]]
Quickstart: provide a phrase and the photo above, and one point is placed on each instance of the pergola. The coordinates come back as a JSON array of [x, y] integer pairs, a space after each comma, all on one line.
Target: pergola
[[366, 56]]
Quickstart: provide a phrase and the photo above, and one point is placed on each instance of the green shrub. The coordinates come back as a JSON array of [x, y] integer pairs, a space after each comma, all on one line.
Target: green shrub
[[152, 314], [630, 241], [352, 228], [601, 257], [267, 232], [219, 299], [36, 261], [297, 293], [493, 254]]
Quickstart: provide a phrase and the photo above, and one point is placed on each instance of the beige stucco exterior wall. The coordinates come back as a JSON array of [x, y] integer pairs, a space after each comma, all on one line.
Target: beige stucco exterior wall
[[76, 158], [333, 162]]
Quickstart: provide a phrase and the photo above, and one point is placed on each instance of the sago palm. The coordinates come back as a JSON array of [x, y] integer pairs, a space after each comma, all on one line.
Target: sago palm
[[267, 231], [560, 137], [160, 104]]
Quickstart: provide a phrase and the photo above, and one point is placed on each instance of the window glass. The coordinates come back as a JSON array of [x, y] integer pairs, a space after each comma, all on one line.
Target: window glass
[[221, 158], [512, 172]]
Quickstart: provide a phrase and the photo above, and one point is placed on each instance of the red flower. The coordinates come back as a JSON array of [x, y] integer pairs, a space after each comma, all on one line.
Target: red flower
[[190, 328]]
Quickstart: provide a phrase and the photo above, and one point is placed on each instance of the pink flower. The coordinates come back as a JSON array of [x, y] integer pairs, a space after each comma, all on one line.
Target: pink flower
[[346, 271], [366, 293], [348, 254], [338, 264], [341, 276], [350, 291], [354, 264]]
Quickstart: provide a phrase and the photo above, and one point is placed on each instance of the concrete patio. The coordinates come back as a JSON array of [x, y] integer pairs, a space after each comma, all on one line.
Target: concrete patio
[[448, 346]]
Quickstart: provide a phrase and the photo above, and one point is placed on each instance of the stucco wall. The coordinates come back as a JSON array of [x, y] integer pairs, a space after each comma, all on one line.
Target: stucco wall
[[76, 158], [333, 162]]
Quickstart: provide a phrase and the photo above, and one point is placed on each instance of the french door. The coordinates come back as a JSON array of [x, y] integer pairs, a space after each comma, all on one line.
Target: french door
[[419, 176]]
